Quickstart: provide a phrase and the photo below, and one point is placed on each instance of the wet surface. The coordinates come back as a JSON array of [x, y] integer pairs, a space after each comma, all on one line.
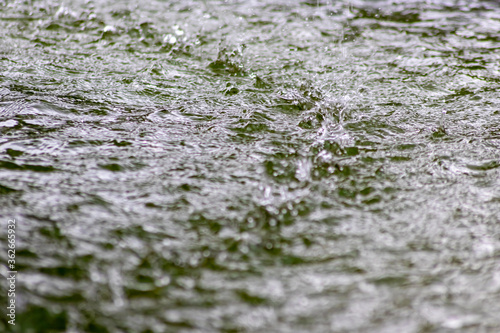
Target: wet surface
[[258, 166]]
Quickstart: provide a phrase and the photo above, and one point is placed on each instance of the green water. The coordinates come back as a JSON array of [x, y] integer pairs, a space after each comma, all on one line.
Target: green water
[[251, 166]]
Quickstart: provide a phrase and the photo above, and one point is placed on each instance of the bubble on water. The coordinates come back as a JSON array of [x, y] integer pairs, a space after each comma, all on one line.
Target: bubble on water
[[110, 29], [303, 172], [177, 30], [170, 39], [65, 11]]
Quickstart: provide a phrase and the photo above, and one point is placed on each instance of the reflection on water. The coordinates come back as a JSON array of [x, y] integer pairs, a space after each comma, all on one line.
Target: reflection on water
[[260, 166]]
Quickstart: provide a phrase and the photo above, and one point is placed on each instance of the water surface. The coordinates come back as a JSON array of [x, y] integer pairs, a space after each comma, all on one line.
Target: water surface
[[252, 166]]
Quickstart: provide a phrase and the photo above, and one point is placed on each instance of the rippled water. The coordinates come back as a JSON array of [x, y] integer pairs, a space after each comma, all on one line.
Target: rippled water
[[252, 166]]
